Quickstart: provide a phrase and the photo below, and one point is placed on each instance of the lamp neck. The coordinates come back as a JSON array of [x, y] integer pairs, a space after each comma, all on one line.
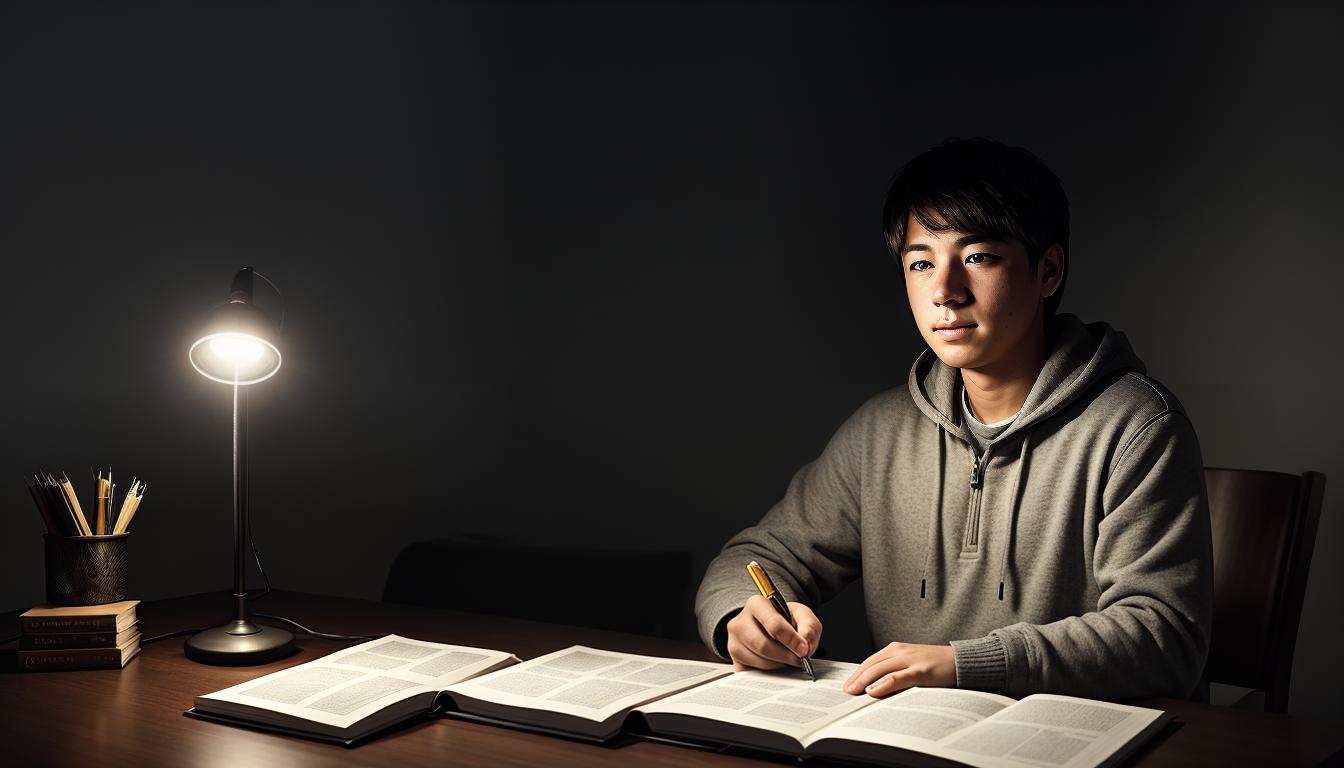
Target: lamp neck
[[240, 501], [241, 290]]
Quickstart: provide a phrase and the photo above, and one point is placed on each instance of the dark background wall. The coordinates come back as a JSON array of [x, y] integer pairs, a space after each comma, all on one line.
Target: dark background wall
[[609, 274]]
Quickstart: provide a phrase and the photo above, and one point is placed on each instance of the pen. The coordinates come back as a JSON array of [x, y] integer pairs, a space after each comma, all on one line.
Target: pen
[[767, 588], [100, 507]]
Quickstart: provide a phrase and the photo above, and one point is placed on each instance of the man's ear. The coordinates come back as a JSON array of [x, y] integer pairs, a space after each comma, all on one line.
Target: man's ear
[[1050, 269]]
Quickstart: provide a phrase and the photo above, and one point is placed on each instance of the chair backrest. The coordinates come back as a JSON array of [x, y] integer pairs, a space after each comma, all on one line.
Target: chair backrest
[[1264, 531], [644, 592]]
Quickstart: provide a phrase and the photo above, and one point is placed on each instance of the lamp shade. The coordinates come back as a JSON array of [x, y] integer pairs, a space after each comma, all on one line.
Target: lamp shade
[[236, 345]]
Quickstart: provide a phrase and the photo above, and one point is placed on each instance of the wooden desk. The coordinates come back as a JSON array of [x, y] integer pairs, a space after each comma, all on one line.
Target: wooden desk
[[134, 716]]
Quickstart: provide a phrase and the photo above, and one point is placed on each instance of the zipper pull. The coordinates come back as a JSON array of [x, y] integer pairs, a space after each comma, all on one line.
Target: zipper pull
[[975, 472]]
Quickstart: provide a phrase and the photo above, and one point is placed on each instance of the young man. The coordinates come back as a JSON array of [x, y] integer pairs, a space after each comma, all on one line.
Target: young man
[[1028, 514]]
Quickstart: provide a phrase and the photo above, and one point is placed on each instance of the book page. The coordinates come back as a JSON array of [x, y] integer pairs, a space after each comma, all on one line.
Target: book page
[[917, 718], [344, 687], [1053, 730], [781, 700], [588, 683], [983, 729]]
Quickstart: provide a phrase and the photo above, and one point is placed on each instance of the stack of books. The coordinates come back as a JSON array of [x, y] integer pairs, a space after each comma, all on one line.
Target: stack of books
[[78, 637]]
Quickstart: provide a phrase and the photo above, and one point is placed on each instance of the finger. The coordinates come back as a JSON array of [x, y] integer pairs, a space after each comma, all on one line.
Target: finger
[[809, 626], [852, 684], [744, 658], [893, 682], [760, 642], [869, 673], [887, 651], [778, 627], [746, 632]]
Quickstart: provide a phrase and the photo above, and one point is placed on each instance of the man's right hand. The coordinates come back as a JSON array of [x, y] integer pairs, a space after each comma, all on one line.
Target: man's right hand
[[759, 638]]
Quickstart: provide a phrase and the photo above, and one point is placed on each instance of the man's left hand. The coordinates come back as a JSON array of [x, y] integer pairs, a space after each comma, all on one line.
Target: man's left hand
[[902, 665]]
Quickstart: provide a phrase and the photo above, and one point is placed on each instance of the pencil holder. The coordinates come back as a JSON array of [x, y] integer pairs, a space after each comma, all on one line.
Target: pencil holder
[[86, 570]]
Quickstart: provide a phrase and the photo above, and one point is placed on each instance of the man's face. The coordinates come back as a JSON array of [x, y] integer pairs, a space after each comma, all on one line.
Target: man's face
[[975, 301]]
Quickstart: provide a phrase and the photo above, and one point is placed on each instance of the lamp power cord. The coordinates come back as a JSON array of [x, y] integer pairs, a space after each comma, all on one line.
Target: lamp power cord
[[256, 556], [266, 590]]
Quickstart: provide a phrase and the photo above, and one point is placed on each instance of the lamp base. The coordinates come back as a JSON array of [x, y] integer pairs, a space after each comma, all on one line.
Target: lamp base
[[239, 644]]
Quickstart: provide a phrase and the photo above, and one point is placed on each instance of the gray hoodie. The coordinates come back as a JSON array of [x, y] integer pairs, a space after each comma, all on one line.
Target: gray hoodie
[[1073, 556]]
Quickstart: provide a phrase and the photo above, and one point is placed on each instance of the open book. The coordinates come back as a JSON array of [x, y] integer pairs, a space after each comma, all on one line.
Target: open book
[[352, 693], [785, 712], [596, 695], [581, 692]]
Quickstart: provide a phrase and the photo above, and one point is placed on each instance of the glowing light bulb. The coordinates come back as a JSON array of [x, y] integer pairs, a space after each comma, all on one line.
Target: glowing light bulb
[[237, 348]]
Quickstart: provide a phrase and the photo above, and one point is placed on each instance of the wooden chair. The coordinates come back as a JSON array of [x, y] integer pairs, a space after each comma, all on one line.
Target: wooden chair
[[1264, 531]]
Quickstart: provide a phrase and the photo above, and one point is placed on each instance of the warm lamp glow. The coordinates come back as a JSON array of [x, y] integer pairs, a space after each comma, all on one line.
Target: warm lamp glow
[[235, 358], [237, 348]]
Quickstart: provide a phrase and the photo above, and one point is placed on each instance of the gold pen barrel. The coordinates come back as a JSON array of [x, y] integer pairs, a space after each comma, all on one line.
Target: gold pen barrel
[[762, 579], [100, 508]]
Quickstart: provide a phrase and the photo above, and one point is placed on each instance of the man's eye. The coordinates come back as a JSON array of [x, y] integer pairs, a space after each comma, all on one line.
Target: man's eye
[[980, 258], [920, 266]]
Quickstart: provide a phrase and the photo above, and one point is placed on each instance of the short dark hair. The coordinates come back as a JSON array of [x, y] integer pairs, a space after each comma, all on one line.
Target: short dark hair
[[982, 187]]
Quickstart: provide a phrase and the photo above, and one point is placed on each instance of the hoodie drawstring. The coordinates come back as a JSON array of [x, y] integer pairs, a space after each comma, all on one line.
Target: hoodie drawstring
[[936, 514], [1012, 510]]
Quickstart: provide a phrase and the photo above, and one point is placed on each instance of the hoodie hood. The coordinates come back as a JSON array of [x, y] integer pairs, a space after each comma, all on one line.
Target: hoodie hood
[[1081, 355]]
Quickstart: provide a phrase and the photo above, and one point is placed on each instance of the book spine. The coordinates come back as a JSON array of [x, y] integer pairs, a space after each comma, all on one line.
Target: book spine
[[60, 641], [36, 661], [67, 624]]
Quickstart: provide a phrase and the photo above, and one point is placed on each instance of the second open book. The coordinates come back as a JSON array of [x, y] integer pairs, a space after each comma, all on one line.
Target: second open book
[[596, 694]]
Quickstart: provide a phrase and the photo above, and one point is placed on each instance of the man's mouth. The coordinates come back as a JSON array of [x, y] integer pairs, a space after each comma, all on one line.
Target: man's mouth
[[952, 330]]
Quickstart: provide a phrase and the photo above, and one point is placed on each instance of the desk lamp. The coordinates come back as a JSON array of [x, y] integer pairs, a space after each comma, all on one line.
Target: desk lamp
[[236, 348]]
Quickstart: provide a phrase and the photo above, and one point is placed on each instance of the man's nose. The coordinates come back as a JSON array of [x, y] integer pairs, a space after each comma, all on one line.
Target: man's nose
[[949, 289]]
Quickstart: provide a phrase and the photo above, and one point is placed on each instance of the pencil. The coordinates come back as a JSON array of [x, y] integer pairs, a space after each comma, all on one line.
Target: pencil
[[111, 501], [41, 503], [58, 503], [128, 509], [81, 522]]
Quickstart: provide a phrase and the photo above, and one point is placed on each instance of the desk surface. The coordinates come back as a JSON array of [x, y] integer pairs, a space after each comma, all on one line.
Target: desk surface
[[134, 715]]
